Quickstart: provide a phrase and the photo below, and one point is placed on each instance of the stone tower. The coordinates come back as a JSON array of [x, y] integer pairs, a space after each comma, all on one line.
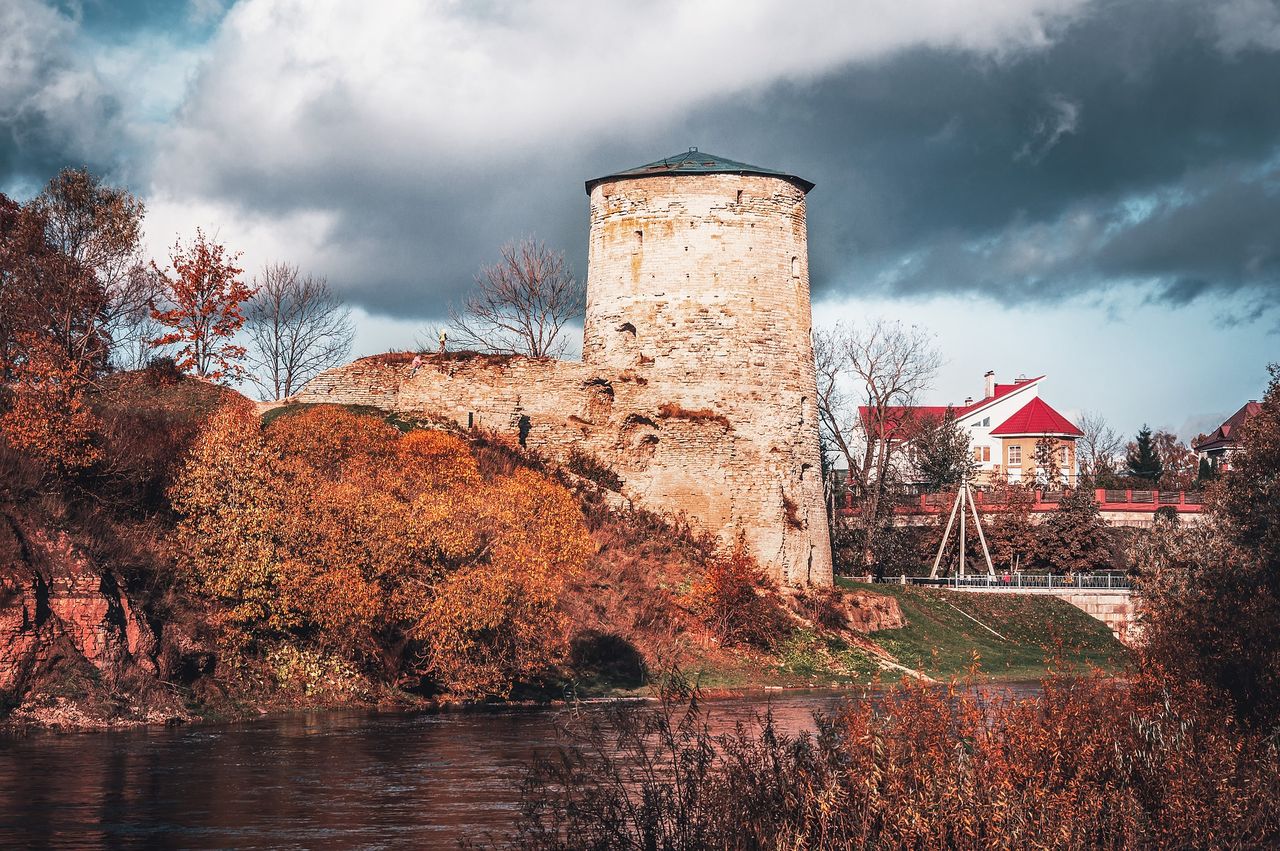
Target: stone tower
[[698, 275], [696, 389]]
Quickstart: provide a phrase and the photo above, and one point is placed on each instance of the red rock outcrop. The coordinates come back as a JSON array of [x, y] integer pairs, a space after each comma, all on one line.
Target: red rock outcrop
[[870, 612], [60, 611]]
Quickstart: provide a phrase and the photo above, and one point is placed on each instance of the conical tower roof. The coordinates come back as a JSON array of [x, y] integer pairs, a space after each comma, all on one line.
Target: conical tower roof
[[694, 161]]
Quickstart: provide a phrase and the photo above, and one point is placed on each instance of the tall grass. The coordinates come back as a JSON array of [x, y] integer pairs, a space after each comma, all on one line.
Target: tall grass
[[1089, 763]]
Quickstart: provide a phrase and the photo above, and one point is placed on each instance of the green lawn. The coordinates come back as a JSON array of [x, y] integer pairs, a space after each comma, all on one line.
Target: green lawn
[[940, 641]]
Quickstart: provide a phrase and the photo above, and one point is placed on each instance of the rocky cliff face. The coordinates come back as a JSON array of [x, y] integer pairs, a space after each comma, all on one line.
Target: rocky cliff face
[[71, 640]]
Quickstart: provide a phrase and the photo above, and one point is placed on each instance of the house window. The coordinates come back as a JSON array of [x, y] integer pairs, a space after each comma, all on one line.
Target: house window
[[1066, 457], [986, 453], [1015, 456], [977, 453], [986, 422]]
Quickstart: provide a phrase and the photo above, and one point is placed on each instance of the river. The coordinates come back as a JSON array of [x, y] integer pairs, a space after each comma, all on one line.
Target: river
[[315, 780]]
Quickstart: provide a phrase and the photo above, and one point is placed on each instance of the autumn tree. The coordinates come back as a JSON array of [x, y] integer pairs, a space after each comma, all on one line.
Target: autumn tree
[[202, 307], [1011, 534], [942, 452], [1213, 618], [335, 530], [1048, 458], [25, 262], [867, 378], [1097, 451], [1075, 539], [521, 304], [52, 345], [1142, 459], [297, 326], [97, 230], [48, 415], [1179, 465]]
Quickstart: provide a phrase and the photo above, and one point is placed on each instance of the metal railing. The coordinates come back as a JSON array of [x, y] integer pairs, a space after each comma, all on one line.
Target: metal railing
[[1013, 581]]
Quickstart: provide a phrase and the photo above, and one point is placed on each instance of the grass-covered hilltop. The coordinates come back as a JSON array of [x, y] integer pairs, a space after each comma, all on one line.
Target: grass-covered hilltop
[[213, 561]]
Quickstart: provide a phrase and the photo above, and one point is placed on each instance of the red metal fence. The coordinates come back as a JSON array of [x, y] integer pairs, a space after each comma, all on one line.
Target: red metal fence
[[1137, 501]]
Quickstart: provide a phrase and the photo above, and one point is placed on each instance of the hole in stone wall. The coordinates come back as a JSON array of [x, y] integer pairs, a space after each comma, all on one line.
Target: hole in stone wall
[[628, 328], [639, 441], [599, 400], [471, 419], [639, 238], [739, 196], [523, 426]]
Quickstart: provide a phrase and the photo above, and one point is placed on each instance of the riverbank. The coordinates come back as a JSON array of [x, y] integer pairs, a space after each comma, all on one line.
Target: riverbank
[[995, 639], [943, 635], [118, 610]]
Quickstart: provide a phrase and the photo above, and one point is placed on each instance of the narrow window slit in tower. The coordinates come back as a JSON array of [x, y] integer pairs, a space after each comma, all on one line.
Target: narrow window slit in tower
[[639, 239], [795, 267], [739, 196]]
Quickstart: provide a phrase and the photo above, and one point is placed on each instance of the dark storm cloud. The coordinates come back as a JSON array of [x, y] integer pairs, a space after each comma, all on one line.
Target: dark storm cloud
[[77, 78], [943, 172], [1139, 147], [1133, 150], [53, 112]]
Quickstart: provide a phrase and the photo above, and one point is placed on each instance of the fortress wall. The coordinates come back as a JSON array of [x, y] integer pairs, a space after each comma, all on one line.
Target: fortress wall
[[670, 457]]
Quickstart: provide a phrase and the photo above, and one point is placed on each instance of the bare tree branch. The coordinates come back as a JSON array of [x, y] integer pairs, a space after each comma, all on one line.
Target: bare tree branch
[[864, 374], [296, 327], [1098, 449], [521, 304]]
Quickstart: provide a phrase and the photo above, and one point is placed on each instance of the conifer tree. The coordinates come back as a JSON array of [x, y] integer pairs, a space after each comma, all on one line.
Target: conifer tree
[[1144, 460], [943, 456]]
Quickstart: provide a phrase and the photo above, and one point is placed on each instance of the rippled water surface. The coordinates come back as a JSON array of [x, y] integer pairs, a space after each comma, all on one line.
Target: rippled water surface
[[332, 780]]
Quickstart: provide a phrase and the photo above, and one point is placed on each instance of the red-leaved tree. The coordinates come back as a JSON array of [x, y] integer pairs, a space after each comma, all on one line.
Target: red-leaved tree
[[203, 303]]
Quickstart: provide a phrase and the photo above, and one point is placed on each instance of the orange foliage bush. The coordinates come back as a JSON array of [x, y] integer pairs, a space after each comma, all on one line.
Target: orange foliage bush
[[736, 601], [335, 528], [48, 415]]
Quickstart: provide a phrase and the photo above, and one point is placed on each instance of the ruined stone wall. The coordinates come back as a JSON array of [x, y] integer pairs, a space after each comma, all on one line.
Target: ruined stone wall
[[697, 381]]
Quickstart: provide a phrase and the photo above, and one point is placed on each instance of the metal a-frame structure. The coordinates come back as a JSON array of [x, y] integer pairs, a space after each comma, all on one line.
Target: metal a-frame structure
[[964, 497]]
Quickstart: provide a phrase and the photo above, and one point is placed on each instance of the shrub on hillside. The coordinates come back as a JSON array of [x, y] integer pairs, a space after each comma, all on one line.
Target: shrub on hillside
[[334, 528], [823, 606], [737, 602], [48, 415], [590, 468]]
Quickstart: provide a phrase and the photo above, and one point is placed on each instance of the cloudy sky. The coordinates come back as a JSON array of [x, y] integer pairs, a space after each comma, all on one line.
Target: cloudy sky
[[1085, 189]]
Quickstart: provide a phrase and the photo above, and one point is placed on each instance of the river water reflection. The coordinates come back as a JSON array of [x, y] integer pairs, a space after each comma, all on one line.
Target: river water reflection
[[323, 780]]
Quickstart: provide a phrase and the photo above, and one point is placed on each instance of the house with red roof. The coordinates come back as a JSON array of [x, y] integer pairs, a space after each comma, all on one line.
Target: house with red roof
[[1219, 446], [1005, 426]]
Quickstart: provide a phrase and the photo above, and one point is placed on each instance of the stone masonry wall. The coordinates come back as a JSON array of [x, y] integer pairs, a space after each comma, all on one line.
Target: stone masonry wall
[[697, 379]]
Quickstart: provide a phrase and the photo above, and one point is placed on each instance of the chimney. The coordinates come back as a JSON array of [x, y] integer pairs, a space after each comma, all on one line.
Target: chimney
[[968, 400], [991, 383]]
